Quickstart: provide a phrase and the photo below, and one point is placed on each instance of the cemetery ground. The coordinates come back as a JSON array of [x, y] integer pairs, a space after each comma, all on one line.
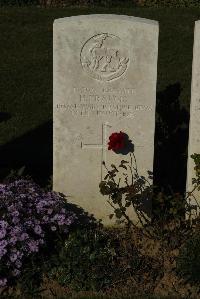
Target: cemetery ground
[[137, 261]]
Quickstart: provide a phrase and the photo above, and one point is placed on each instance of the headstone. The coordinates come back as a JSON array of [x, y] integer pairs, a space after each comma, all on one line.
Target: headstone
[[105, 71], [194, 129]]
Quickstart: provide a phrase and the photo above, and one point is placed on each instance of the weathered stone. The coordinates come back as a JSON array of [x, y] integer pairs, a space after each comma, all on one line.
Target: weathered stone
[[194, 130], [105, 70]]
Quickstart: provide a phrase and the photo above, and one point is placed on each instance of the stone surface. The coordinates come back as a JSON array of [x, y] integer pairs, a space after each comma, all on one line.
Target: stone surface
[[194, 131], [105, 70]]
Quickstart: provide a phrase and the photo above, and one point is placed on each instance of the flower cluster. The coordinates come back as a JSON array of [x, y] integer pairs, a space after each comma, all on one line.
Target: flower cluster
[[117, 141], [28, 216]]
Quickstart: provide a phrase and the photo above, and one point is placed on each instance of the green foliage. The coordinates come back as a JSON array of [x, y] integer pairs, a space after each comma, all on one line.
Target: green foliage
[[65, 3], [31, 280], [102, 3], [188, 261], [169, 206], [196, 180], [91, 260], [105, 3], [85, 261], [136, 191], [19, 2], [169, 3], [191, 195]]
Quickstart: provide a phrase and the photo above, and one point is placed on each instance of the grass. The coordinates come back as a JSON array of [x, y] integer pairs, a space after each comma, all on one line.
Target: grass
[[26, 75], [121, 297], [102, 297]]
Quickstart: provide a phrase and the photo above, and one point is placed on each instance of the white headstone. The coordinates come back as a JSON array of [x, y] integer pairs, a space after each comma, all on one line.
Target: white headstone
[[194, 129], [105, 71]]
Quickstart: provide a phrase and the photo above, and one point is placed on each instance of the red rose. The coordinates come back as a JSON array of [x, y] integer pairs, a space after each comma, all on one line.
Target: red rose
[[117, 141]]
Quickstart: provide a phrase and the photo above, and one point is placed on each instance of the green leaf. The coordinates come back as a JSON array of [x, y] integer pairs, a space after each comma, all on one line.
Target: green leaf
[[111, 184], [106, 176], [118, 213], [104, 188]]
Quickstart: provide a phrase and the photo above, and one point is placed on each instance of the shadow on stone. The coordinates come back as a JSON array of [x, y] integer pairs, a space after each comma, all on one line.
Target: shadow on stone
[[84, 218], [171, 140]]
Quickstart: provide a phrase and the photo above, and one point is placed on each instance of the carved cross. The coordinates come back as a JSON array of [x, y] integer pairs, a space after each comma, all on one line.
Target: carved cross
[[103, 146]]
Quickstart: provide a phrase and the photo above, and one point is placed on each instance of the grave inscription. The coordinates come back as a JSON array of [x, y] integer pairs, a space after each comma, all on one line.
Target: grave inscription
[[105, 70]]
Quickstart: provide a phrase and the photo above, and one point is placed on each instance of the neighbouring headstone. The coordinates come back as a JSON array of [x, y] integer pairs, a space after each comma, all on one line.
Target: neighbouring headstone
[[194, 129], [105, 71]]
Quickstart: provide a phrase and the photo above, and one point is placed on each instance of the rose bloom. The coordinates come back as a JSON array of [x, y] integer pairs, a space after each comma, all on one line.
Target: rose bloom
[[116, 141]]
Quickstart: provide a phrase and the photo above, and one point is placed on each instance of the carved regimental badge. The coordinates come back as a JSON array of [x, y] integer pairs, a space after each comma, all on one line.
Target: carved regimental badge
[[104, 58]]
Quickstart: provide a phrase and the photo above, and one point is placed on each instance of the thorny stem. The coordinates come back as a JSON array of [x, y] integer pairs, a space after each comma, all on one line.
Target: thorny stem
[[141, 214], [191, 193], [131, 170], [124, 214], [142, 189], [109, 172], [196, 200], [135, 168], [119, 182]]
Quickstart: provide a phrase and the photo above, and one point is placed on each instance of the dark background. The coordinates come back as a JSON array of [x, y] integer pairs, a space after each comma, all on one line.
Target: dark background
[[26, 89]]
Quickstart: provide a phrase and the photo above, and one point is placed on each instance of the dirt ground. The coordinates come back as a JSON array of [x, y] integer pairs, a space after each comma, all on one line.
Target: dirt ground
[[157, 275]]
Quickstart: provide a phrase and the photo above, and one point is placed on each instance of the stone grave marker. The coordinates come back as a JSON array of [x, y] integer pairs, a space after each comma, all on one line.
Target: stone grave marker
[[104, 73], [194, 128]]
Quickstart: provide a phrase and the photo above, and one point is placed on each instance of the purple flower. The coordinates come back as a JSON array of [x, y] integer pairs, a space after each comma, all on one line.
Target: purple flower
[[53, 228], [38, 230], [13, 257], [36, 222], [28, 213], [2, 233], [16, 231], [15, 220], [24, 236], [3, 243], [3, 224], [60, 218], [15, 214], [45, 218], [16, 272], [49, 211], [33, 246], [28, 223], [18, 264], [3, 282], [3, 251], [11, 208], [2, 186], [68, 221], [41, 241], [13, 240]]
